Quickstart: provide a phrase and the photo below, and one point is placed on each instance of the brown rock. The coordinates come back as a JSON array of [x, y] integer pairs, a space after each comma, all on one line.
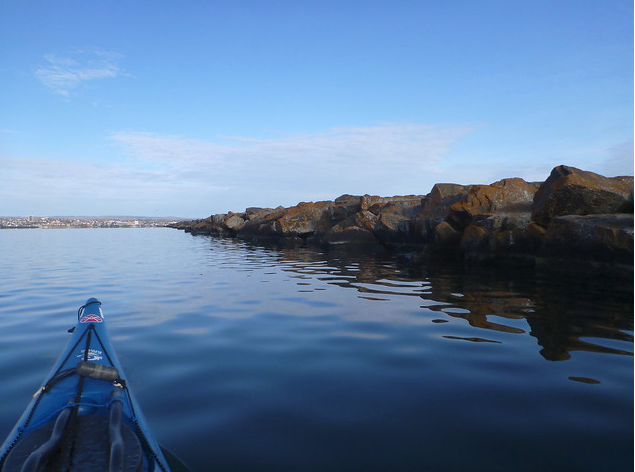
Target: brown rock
[[257, 212], [394, 228], [343, 207], [445, 235], [499, 236], [599, 238], [233, 222], [341, 234], [261, 224], [297, 221], [365, 220], [571, 191], [442, 196], [377, 204], [302, 219], [475, 239], [506, 196]]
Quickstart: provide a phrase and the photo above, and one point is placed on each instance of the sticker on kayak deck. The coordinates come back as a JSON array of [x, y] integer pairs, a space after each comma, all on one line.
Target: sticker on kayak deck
[[91, 319], [93, 355]]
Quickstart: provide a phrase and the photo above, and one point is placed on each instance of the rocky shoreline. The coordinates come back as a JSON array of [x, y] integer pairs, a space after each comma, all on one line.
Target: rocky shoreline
[[573, 218]]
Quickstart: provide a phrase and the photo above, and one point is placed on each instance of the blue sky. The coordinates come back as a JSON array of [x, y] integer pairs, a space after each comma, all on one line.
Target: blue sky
[[194, 107]]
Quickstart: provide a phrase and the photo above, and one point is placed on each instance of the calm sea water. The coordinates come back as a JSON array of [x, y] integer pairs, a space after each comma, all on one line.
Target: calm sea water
[[247, 358]]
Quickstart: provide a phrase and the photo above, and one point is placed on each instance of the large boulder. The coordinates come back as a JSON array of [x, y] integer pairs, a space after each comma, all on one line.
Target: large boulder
[[233, 222], [500, 236], [252, 213], [394, 224], [302, 219], [261, 224], [435, 207], [441, 198], [571, 191], [296, 221], [505, 196], [216, 224]]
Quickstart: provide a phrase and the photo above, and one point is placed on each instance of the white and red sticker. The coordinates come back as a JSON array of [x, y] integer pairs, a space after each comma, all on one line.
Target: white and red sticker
[[91, 319]]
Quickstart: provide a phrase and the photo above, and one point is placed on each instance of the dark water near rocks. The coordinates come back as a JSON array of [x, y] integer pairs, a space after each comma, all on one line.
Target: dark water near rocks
[[252, 359]]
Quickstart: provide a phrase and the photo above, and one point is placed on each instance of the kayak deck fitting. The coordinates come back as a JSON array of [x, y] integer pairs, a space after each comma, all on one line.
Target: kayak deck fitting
[[83, 418]]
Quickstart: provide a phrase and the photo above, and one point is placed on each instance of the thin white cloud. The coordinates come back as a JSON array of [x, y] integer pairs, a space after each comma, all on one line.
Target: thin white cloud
[[63, 74], [58, 187], [167, 174], [388, 146], [384, 159]]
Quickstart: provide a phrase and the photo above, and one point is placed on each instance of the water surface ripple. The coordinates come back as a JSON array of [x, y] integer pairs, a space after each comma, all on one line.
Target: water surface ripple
[[254, 358]]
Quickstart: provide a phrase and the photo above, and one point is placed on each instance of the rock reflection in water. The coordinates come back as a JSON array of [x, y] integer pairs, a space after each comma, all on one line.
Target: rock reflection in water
[[560, 310]]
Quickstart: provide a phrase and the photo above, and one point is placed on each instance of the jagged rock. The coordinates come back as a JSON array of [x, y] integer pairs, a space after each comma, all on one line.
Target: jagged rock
[[507, 196], [364, 219], [435, 207], [441, 198], [257, 212], [571, 191], [393, 228], [233, 222], [501, 236], [505, 222], [261, 224], [302, 219], [344, 206]]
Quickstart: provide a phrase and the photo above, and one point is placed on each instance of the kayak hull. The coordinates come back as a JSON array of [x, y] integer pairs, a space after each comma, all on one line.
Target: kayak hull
[[85, 398]]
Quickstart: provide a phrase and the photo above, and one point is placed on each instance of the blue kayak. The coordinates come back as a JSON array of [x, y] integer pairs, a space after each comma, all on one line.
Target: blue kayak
[[83, 417]]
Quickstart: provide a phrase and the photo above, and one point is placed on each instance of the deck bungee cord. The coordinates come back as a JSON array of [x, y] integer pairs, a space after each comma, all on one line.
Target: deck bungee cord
[[83, 417]]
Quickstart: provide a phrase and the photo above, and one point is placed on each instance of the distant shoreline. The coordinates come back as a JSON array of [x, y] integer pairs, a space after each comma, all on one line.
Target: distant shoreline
[[83, 222]]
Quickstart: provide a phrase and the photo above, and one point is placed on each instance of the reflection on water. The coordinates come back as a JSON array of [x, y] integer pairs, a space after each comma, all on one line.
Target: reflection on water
[[561, 311], [263, 358]]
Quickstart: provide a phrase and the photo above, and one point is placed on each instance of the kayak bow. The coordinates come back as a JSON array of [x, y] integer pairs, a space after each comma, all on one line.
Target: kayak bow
[[83, 417]]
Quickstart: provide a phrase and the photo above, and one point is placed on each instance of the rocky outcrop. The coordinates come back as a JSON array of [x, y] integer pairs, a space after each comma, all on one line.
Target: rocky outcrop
[[573, 215], [571, 191]]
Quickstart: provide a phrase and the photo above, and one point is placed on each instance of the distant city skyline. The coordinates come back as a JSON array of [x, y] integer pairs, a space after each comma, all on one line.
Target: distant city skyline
[[161, 108], [80, 222]]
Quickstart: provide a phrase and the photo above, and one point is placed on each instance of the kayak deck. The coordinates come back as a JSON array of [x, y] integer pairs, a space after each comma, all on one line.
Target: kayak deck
[[84, 417]]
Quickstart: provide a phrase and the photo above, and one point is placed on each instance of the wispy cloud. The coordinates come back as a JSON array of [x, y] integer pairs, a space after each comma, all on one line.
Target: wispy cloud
[[172, 174], [385, 159], [64, 73], [388, 147]]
